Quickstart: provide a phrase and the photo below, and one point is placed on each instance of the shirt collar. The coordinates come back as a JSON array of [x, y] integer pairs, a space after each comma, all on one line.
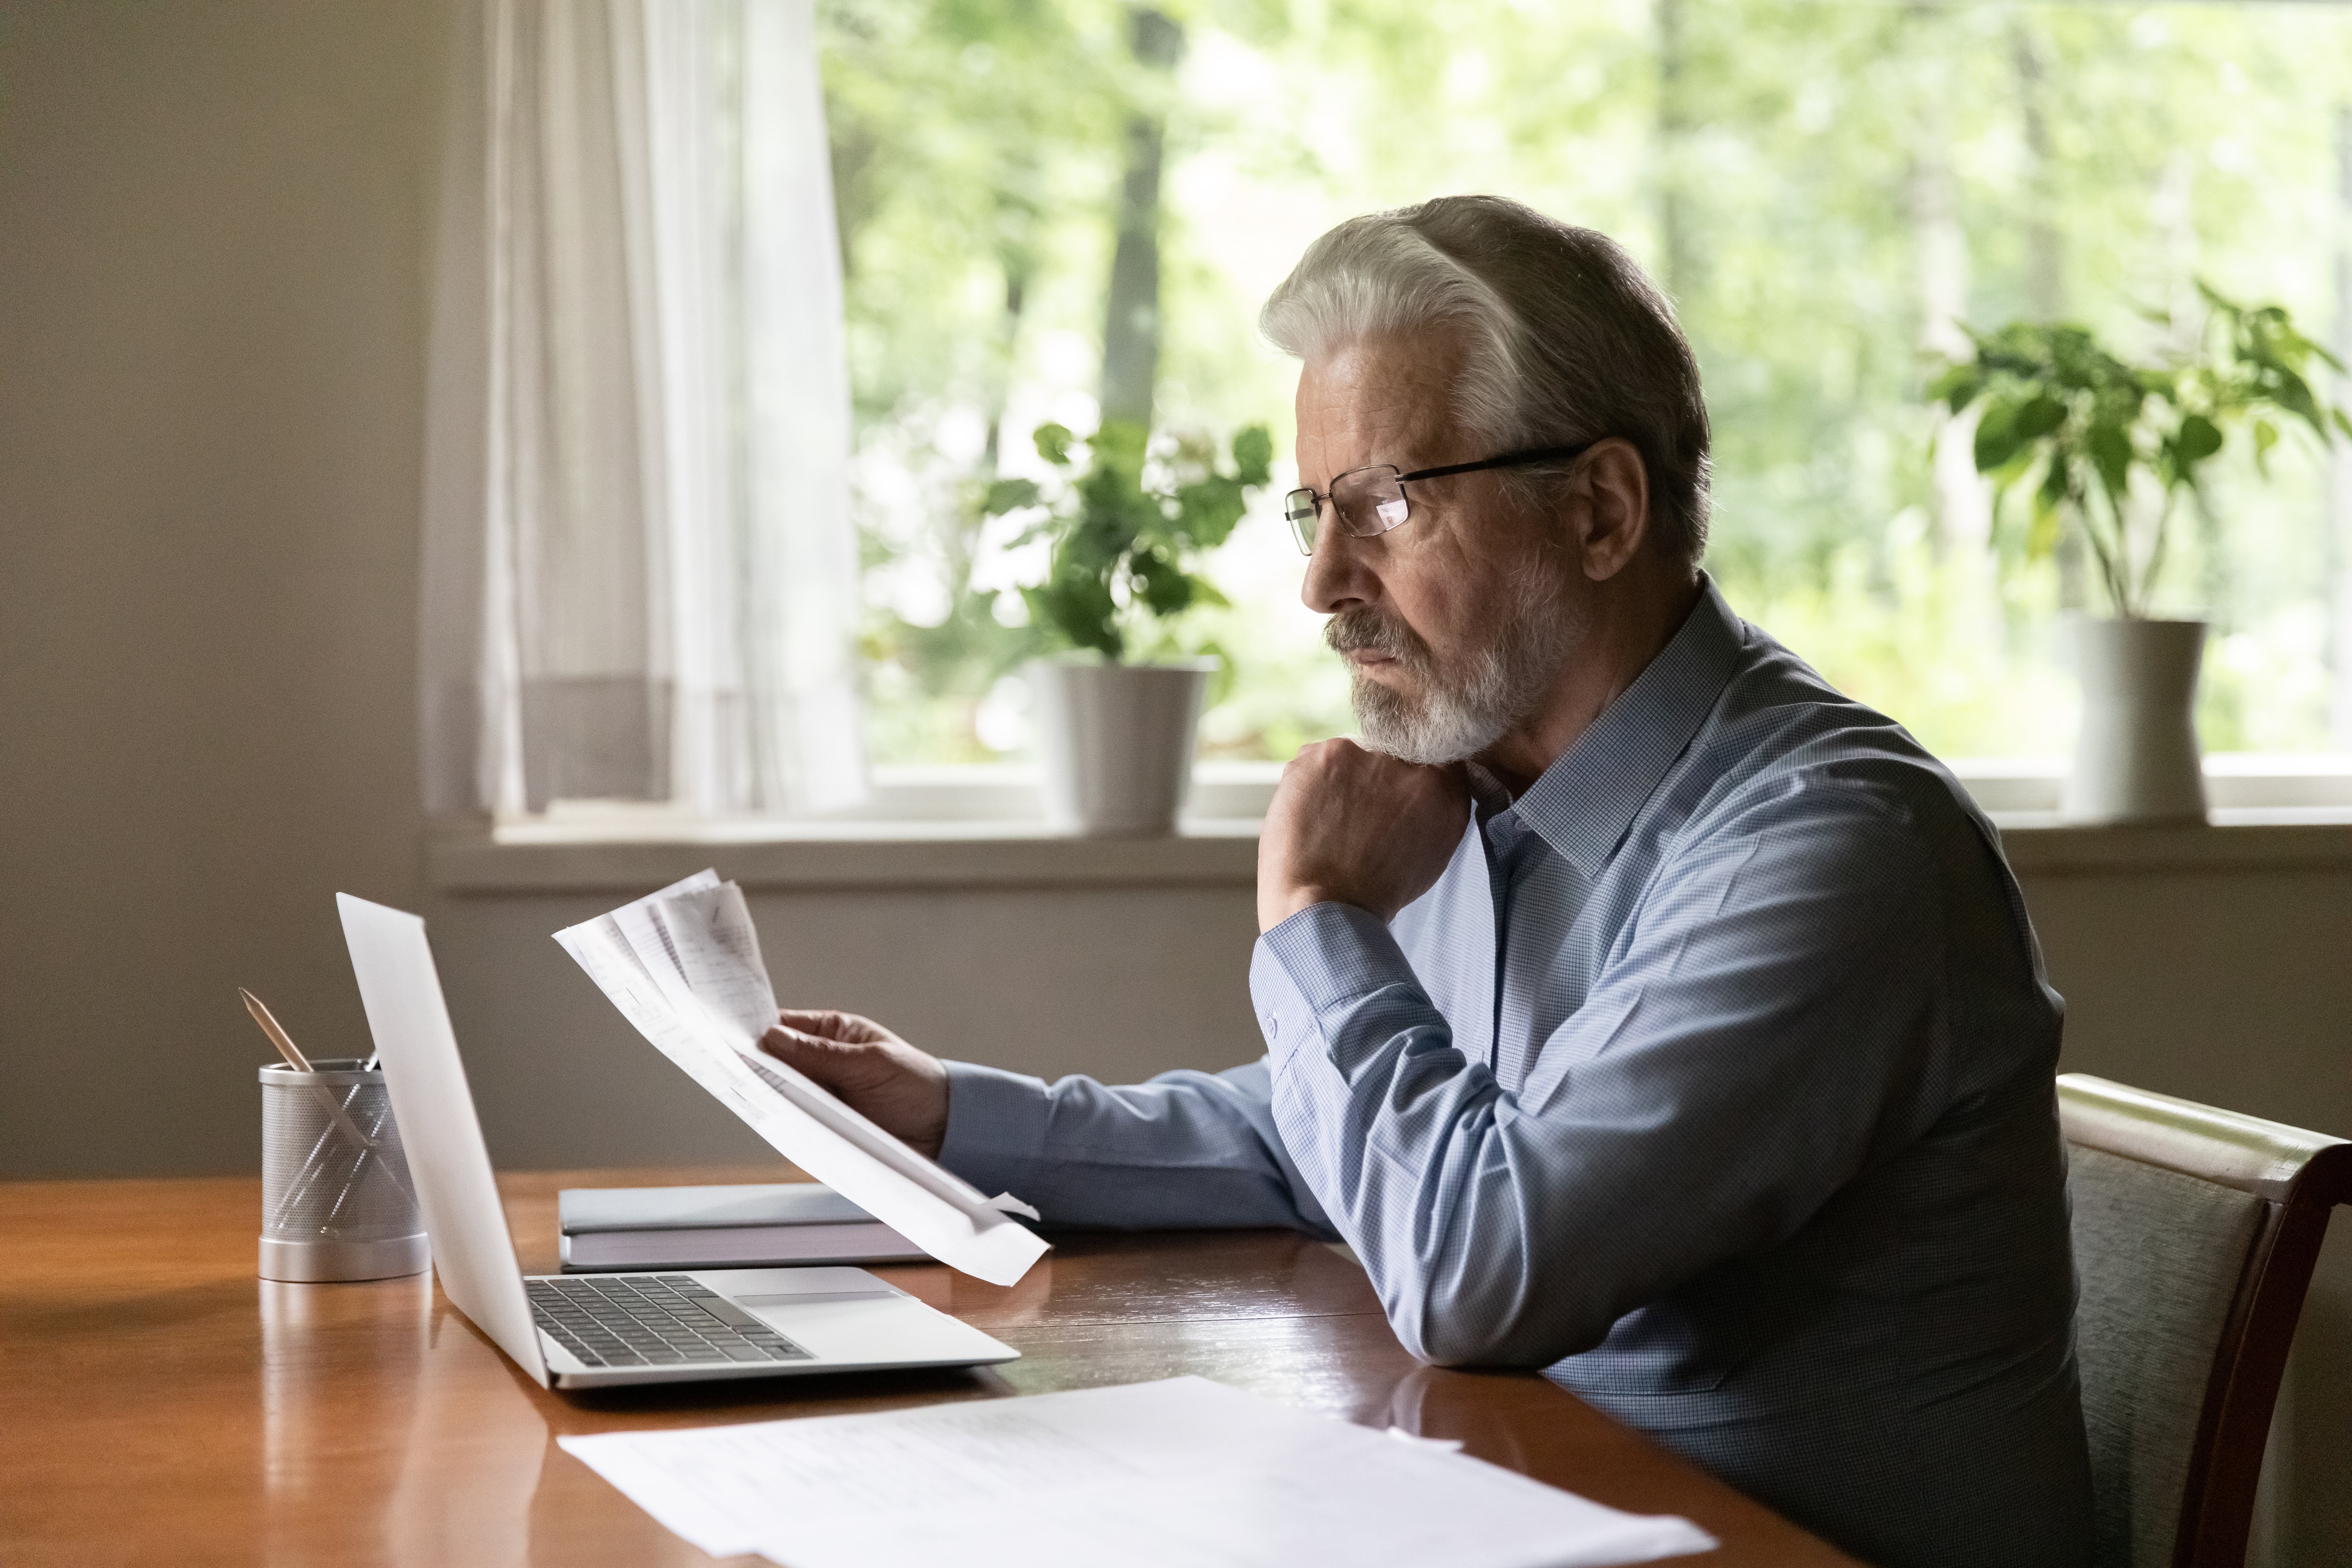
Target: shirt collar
[[1587, 798]]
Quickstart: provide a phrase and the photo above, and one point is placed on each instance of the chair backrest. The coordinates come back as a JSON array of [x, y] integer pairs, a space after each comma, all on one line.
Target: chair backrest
[[2195, 1234]]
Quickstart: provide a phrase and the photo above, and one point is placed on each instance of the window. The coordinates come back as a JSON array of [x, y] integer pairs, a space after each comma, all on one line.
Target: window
[[639, 572], [1828, 189]]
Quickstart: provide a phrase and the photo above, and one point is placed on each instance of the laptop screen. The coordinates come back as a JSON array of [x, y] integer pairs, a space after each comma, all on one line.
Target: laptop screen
[[455, 1187]]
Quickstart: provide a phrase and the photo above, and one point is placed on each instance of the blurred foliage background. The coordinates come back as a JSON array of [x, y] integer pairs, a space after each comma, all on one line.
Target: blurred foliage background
[[1053, 209]]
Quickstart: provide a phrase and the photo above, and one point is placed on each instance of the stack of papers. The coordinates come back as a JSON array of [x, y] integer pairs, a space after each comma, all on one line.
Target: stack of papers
[[684, 966], [1155, 1474]]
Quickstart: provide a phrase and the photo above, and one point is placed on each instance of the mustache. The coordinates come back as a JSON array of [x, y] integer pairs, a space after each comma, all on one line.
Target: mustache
[[1361, 626]]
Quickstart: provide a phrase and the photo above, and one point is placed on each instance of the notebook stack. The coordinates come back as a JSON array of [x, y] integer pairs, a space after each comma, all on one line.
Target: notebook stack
[[606, 1229]]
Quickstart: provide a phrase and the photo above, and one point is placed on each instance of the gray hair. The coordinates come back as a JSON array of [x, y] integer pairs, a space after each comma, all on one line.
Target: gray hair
[[1566, 341]]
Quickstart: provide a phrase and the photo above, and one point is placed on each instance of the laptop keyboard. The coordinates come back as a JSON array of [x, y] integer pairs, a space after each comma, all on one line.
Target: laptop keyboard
[[652, 1320]]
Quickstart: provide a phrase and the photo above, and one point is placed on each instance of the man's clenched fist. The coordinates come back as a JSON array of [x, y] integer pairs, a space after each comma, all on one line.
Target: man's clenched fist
[[1353, 827]]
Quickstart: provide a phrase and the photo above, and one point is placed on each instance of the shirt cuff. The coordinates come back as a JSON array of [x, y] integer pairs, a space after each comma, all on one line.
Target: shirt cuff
[[1338, 953], [996, 1125], [1324, 956]]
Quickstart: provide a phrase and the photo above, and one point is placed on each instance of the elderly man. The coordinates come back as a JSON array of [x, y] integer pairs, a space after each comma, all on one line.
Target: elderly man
[[1636, 1007]]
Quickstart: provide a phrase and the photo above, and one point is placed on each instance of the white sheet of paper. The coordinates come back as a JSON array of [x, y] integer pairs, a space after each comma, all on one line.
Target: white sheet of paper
[[683, 965], [1184, 1473], [718, 951], [701, 949]]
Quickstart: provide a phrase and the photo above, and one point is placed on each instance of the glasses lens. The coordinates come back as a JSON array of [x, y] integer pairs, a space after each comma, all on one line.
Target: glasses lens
[[1369, 501], [1298, 509]]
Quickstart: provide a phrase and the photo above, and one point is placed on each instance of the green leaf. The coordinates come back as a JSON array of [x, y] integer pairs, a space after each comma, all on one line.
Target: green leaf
[[2016, 468], [2076, 360], [2293, 395], [1113, 509], [1206, 510], [1081, 610], [1958, 387], [1164, 587], [2196, 439], [2110, 448], [2343, 421], [1996, 439], [1119, 445], [2040, 415], [1009, 495], [1254, 455], [1054, 444]]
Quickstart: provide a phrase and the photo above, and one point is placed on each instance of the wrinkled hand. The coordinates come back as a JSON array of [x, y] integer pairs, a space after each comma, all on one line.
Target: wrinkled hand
[[898, 1087], [1353, 827]]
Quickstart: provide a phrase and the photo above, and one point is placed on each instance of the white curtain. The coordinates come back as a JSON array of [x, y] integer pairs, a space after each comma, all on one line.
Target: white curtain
[[640, 578]]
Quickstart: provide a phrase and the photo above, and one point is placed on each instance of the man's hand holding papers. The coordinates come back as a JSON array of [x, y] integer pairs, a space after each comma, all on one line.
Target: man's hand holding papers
[[903, 1090], [683, 965]]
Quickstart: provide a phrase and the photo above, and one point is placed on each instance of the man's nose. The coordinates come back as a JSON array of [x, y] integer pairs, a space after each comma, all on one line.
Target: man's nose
[[1338, 575]]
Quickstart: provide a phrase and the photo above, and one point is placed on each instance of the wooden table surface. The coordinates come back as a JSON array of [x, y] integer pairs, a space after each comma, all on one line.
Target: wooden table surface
[[160, 1404]]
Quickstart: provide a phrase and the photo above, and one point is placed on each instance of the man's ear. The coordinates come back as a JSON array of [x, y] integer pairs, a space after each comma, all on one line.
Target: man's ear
[[1615, 490]]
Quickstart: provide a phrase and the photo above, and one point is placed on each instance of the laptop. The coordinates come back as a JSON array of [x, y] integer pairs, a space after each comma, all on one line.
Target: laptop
[[602, 1330]]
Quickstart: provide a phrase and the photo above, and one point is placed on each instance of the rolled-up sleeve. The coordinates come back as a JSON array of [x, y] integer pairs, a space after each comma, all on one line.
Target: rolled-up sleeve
[[1185, 1149], [1739, 1058]]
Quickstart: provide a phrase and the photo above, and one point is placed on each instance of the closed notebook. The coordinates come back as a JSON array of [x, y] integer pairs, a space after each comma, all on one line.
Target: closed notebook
[[722, 1227]]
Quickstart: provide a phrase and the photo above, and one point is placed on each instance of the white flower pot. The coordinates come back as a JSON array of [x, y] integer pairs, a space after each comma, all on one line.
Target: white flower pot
[[1116, 744], [2136, 759]]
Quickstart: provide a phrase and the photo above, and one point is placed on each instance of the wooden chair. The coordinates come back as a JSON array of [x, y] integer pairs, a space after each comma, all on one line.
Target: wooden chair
[[2195, 1234]]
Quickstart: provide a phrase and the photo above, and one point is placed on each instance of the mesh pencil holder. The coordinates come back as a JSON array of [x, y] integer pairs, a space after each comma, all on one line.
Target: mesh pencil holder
[[336, 1198]]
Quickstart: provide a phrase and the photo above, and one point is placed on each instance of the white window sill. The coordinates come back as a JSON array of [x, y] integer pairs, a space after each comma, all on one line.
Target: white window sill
[[980, 828], [832, 855], [2246, 839]]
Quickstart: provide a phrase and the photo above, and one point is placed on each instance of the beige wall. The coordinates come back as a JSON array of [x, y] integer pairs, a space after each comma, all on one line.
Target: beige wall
[[211, 319], [212, 246]]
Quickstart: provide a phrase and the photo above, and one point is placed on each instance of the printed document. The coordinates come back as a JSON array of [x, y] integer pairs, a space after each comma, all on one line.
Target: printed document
[[683, 965], [1184, 1473]]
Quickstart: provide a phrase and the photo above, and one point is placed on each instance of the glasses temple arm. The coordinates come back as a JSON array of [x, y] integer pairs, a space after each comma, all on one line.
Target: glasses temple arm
[[1539, 454]]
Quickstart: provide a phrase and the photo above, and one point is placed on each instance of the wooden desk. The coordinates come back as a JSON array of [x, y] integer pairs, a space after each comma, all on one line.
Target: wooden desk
[[159, 1403]]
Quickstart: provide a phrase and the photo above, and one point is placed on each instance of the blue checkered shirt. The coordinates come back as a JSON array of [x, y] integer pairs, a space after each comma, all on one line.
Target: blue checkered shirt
[[1714, 1077]]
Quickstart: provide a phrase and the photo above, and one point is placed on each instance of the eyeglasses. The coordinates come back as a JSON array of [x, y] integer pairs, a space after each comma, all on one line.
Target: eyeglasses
[[1373, 500]]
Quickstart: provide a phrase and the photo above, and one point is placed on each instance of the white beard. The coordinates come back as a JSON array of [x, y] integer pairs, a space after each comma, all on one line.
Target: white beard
[[1458, 715]]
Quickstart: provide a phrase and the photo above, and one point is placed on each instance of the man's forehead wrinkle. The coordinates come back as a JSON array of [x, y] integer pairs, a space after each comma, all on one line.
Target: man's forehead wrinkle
[[1383, 403]]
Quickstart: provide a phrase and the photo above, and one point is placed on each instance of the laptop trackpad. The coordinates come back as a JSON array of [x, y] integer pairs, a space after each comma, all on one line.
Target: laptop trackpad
[[793, 1295], [806, 1297], [848, 1316]]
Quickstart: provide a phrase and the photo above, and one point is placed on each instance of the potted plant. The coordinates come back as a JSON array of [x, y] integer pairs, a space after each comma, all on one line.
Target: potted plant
[[1118, 706], [2110, 450]]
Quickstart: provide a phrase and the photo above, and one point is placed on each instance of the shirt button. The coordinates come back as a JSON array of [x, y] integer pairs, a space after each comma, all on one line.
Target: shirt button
[[1274, 1026]]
